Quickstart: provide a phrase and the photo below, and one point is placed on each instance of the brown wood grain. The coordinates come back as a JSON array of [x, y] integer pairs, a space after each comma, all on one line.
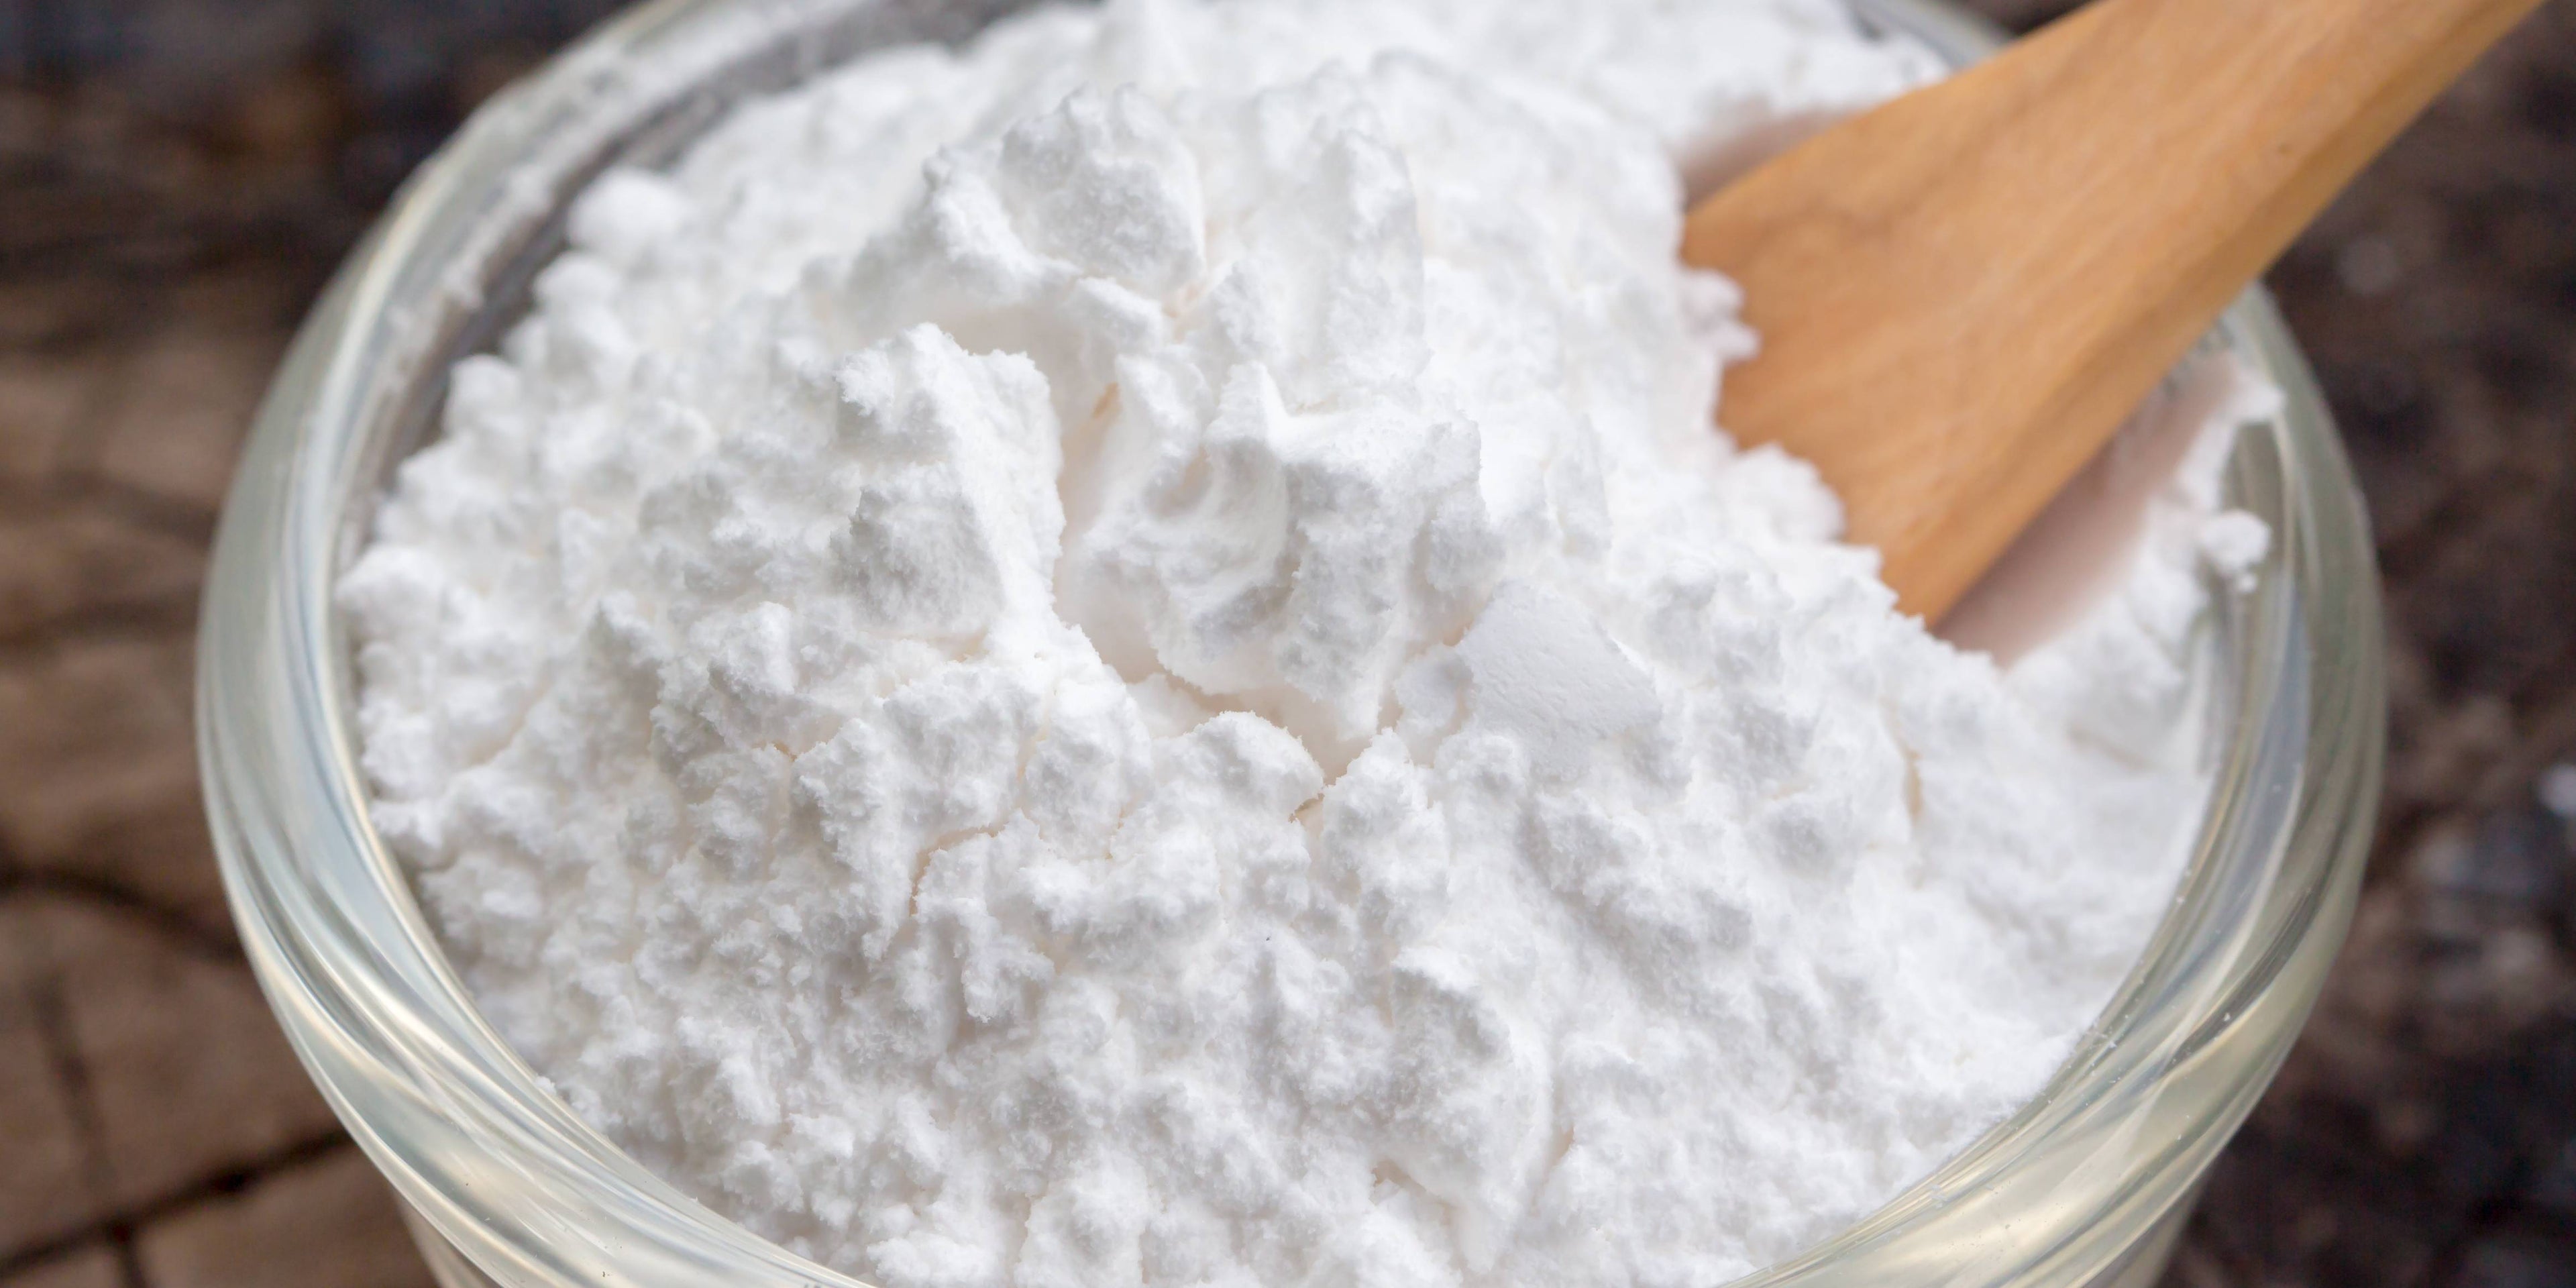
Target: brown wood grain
[[1962, 294]]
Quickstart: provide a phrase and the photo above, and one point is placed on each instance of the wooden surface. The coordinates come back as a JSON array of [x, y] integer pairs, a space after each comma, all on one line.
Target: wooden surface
[[177, 175], [1963, 294]]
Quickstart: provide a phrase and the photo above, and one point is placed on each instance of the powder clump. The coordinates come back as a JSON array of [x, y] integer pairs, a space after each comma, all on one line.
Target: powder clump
[[1124, 656]]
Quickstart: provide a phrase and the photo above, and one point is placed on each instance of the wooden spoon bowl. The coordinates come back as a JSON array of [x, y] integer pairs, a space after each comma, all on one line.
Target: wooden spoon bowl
[[1962, 294]]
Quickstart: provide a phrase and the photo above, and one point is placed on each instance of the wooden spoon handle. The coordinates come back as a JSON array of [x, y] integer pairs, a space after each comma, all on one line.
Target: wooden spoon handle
[[1962, 294]]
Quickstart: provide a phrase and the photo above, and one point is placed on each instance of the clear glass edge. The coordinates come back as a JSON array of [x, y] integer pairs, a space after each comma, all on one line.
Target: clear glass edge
[[501, 1169]]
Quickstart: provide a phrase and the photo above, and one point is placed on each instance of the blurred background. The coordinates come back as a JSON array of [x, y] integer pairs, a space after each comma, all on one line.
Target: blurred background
[[178, 177]]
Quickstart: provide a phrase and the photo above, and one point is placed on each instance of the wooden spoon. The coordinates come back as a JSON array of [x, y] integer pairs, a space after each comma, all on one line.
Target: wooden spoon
[[1963, 293]]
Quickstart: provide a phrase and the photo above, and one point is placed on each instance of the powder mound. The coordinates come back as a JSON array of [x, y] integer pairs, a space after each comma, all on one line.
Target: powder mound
[[1125, 656]]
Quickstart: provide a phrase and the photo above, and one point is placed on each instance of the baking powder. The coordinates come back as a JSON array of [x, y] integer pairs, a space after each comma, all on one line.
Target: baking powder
[[1125, 656]]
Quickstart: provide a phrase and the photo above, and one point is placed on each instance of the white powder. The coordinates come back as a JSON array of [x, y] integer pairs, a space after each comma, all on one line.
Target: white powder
[[1126, 657]]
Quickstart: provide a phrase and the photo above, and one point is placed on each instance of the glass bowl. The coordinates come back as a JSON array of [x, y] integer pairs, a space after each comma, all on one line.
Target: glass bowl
[[2086, 1185]]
